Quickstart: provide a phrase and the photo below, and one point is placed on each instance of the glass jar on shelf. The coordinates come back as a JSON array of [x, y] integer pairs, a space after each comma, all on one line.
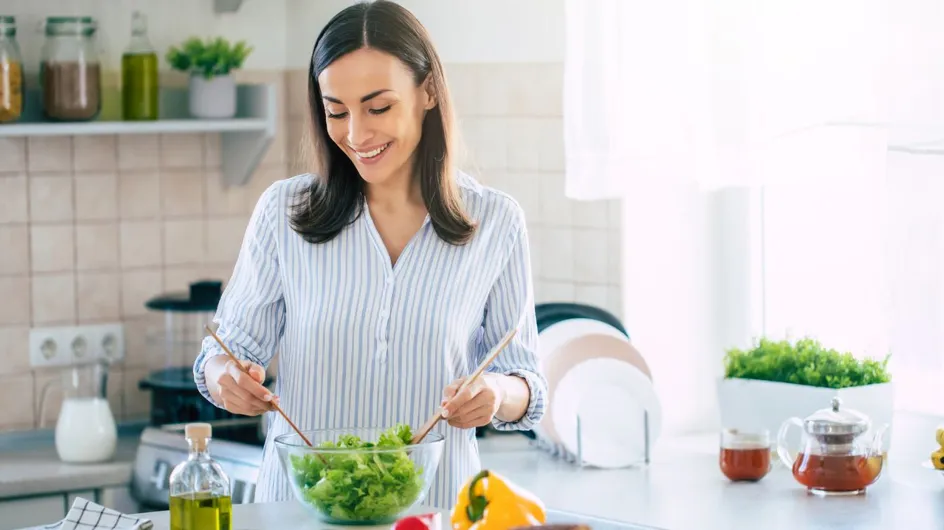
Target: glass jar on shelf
[[11, 72], [70, 70]]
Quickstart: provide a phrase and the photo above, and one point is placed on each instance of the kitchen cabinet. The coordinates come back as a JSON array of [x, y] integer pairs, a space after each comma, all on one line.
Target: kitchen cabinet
[[32, 511]]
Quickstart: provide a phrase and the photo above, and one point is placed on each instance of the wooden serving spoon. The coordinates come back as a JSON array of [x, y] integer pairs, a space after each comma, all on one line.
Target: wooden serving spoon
[[246, 371], [434, 419]]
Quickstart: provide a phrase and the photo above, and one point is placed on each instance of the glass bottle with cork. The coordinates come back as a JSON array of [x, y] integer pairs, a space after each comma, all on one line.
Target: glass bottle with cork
[[139, 78], [200, 496]]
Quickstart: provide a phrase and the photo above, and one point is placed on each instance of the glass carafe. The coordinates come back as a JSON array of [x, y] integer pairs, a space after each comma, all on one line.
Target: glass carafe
[[139, 82], [838, 454], [85, 431]]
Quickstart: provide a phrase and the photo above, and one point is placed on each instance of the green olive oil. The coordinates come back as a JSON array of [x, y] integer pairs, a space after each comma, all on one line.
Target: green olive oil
[[139, 77], [201, 511]]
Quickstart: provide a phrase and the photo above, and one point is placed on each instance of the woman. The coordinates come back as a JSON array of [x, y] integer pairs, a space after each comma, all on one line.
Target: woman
[[384, 278]]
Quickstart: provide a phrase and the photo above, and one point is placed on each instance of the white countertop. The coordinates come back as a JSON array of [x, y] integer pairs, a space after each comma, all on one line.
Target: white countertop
[[682, 489], [29, 465]]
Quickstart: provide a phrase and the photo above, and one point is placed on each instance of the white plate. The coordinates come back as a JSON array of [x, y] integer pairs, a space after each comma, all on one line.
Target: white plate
[[551, 342], [610, 396]]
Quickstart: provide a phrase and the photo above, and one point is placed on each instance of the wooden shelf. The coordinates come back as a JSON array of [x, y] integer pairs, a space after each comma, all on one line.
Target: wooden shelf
[[244, 139]]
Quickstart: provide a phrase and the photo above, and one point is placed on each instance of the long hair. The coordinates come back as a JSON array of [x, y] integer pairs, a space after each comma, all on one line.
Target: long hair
[[335, 198]]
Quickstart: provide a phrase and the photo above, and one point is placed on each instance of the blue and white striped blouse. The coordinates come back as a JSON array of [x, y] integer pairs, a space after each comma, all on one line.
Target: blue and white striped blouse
[[364, 344]]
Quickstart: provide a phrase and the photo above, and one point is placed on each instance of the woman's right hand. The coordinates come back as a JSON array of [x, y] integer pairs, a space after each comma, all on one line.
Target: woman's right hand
[[234, 390]]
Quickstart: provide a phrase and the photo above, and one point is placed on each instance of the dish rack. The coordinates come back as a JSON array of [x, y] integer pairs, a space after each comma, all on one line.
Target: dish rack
[[559, 451]]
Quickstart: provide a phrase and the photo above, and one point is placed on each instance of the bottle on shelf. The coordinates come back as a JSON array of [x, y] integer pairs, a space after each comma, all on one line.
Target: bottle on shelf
[[139, 78], [200, 496]]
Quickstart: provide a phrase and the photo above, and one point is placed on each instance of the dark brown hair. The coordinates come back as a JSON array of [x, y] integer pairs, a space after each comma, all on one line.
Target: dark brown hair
[[335, 198]]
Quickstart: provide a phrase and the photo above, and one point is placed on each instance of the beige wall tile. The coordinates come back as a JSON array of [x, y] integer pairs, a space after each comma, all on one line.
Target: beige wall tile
[[182, 193], [137, 402], [224, 237], [534, 89], [590, 214], [99, 296], [557, 250], [96, 246], [15, 293], [184, 241], [614, 264], [525, 188], [13, 155], [137, 287], [140, 244], [535, 238], [96, 197], [555, 291], [296, 89], [14, 199], [14, 249], [486, 140], [14, 349], [49, 153], [47, 403], [551, 145], [592, 254], [94, 153], [139, 195], [211, 150], [276, 153], [556, 208], [177, 278], [51, 198], [53, 299], [17, 389], [52, 248], [492, 86], [524, 148], [595, 295], [614, 214], [182, 150], [227, 200], [115, 390], [138, 152]]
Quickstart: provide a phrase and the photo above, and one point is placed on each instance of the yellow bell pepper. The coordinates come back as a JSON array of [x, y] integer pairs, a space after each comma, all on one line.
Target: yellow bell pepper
[[937, 459], [490, 502]]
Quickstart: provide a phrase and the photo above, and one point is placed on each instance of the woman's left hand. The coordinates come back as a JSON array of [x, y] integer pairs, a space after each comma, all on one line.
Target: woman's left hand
[[476, 405]]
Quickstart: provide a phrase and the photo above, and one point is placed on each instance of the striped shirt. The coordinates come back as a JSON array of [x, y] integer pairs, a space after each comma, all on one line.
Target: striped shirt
[[363, 344]]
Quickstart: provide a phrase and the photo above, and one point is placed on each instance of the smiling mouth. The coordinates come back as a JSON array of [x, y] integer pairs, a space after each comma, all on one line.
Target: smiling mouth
[[372, 153]]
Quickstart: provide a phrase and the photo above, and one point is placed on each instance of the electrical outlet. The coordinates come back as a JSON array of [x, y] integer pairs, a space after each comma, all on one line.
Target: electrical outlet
[[64, 346]]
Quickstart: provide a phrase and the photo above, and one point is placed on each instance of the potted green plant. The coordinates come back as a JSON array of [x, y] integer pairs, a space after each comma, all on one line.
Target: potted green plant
[[210, 64], [775, 380]]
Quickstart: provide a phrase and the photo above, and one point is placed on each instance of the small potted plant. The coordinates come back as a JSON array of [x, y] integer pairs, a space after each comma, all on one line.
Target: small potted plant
[[210, 64], [774, 380]]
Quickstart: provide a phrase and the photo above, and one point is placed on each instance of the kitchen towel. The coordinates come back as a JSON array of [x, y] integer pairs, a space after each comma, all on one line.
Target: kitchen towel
[[86, 515]]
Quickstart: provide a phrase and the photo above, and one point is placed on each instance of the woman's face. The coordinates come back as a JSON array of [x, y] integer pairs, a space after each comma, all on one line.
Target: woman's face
[[374, 112]]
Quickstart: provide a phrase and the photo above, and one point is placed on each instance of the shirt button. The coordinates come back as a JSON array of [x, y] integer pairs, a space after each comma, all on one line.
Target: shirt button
[[382, 349], [389, 280], [384, 314]]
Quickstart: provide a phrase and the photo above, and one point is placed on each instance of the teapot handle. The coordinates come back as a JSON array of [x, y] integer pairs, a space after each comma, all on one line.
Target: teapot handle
[[876, 447], [782, 451], [42, 401]]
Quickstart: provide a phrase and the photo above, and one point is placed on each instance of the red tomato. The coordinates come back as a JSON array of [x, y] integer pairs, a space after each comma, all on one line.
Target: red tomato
[[427, 521]]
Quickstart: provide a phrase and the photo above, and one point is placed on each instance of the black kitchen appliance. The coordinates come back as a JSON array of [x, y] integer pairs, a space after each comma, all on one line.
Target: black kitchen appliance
[[174, 395]]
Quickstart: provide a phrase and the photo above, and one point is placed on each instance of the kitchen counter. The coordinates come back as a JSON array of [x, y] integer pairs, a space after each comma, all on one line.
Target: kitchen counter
[[682, 489], [29, 465]]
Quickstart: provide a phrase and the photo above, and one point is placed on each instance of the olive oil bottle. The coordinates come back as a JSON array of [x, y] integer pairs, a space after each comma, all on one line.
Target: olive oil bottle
[[200, 497], [139, 81]]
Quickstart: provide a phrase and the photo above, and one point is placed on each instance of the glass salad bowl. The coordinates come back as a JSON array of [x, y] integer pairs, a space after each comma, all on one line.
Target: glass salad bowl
[[359, 476]]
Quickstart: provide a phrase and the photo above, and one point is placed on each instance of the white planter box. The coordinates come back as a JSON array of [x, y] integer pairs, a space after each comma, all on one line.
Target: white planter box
[[750, 405], [213, 98]]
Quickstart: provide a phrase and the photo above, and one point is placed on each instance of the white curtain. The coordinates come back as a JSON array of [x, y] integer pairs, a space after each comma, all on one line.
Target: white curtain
[[726, 92], [833, 109]]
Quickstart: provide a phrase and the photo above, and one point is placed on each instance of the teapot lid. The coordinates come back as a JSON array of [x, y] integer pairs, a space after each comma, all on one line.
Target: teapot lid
[[836, 421]]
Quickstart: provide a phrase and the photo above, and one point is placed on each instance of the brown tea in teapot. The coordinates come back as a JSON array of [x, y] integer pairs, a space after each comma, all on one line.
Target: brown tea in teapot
[[837, 473]]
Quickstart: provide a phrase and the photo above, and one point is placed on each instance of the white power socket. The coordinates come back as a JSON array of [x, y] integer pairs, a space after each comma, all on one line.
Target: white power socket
[[70, 345]]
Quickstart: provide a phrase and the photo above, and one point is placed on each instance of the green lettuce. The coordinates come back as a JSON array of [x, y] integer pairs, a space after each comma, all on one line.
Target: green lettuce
[[360, 486]]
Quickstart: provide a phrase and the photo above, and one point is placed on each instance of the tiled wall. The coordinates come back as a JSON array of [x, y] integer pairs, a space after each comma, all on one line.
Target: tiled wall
[[92, 226]]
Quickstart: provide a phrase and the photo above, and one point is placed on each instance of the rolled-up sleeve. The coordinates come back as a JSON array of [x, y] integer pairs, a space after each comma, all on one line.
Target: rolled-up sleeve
[[510, 298], [251, 312]]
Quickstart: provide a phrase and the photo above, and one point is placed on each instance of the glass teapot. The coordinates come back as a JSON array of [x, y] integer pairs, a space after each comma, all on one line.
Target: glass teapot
[[837, 455], [86, 431]]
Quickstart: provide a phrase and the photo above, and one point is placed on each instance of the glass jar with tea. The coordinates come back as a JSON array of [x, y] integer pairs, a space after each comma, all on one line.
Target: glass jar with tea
[[839, 452], [139, 82], [11, 72], [70, 70]]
